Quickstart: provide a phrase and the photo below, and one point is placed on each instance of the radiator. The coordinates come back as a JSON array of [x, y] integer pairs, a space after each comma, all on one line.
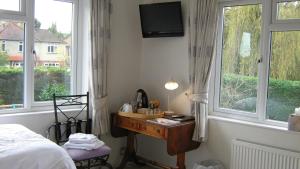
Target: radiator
[[246, 155]]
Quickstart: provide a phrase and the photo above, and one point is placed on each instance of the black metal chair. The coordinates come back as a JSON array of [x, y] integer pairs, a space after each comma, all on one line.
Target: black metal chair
[[70, 122]]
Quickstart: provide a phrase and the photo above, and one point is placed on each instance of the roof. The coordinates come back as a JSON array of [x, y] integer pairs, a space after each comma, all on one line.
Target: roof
[[43, 35], [12, 31], [68, 40]]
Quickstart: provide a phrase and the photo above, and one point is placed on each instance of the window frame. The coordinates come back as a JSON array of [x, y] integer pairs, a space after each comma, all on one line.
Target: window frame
[[22, 12], [26, 15], [275, 20], [218, 62], [269, 25], [75, 80]]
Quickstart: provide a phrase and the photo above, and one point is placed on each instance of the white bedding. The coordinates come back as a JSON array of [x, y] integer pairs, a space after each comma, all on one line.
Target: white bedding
[[20, 148]]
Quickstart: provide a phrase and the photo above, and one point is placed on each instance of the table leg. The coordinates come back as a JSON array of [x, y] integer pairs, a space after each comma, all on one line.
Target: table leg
[[129, 151], [181, 161], [130, 154]]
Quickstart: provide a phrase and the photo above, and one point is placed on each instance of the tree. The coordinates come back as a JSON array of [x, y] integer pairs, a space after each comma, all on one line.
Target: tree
[[285, 58], [3, 59], [53, 29], [37, 24], [48, 91]]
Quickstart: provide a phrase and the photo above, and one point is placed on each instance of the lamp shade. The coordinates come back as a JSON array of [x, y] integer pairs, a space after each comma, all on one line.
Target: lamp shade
[[171, 85]]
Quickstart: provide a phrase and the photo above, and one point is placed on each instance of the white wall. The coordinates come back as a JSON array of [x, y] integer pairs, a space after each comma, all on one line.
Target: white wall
[[163, 58], [123, 64]]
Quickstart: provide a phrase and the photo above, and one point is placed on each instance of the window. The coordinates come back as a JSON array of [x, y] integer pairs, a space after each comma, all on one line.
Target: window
[[28, 79], [3, 45], [241, 40], [11, 71], [51, 64], [288, 10], [52, 49], [54, 31], [284, 78], [20, 46], [257, 64]]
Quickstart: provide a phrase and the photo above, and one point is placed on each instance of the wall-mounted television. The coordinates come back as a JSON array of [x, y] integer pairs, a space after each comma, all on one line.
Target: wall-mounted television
[[161, 20]]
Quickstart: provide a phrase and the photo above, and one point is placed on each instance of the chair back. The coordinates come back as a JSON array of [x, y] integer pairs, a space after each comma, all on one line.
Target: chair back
[[68, 122]]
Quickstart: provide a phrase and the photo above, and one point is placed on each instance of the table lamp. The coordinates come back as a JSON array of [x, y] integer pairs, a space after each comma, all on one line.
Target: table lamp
[[170, 85]]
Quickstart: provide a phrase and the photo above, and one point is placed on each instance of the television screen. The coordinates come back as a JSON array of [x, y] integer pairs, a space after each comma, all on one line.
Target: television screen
[[161, 19]]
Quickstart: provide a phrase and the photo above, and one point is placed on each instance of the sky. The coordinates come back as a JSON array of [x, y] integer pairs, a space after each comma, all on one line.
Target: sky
[[47, 12]]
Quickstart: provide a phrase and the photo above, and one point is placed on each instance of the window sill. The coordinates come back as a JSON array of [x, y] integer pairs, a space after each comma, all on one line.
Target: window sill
[[252, 124], [32, 112]]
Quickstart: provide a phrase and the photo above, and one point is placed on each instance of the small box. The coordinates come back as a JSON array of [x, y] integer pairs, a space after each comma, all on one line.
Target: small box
[[294, 122]]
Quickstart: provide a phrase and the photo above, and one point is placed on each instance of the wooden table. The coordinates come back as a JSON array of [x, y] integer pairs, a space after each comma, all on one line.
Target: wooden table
[[178, 138]]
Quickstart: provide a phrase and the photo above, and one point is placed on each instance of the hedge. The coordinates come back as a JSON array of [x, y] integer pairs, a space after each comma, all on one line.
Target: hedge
[[239, 92], [46, 81]]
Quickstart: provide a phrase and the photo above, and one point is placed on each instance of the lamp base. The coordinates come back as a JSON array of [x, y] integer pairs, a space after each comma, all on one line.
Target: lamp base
[[169, 112]]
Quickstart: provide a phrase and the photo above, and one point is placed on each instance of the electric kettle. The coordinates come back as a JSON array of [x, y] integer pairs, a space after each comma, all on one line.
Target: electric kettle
[[141, 99]]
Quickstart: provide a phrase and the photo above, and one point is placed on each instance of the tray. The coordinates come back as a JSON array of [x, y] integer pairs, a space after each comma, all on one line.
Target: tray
[[141, 115]]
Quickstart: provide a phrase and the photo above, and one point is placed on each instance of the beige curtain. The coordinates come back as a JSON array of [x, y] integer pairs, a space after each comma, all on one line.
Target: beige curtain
[[202, 32], [100, 40]]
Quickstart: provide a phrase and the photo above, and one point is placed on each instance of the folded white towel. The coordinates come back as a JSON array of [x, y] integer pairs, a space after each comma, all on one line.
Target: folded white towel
[[90, 146], [82, 141], [81, 138]]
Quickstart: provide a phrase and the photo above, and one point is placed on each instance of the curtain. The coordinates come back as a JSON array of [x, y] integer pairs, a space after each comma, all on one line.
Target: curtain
[[100, 43], [202, 35]]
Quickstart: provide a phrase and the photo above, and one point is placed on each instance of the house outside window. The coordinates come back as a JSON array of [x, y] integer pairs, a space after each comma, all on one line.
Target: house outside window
[[257, 64]]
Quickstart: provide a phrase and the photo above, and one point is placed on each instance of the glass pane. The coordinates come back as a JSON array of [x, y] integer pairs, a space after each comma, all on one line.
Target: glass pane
[[284, 78], [288, 10], [11, 65], [241, 50], [10, 5], [53, 43]]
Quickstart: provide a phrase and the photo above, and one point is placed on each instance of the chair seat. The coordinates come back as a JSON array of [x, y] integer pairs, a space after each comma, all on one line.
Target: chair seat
[[80, 155]]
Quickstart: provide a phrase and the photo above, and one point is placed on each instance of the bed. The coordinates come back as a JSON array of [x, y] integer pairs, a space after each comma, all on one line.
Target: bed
[[21, 148]]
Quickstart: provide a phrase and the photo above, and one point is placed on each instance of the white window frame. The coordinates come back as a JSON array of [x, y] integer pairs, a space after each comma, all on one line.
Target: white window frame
[[218, 61], [26, 15], [75, 77], [22, 12], [269, 25], [275, 20]]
